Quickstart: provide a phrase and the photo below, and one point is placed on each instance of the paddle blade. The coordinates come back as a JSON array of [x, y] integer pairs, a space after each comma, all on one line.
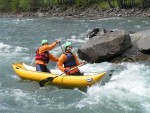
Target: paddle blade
[[46, 81]]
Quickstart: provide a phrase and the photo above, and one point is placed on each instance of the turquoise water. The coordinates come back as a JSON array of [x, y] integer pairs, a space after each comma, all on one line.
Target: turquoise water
[[128, 91]]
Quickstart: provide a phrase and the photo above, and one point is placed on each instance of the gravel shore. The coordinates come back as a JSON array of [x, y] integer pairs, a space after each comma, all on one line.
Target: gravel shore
[[83, 13]]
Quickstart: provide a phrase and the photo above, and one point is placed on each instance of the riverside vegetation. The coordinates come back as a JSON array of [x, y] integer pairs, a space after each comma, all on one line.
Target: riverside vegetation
[[76, 7]]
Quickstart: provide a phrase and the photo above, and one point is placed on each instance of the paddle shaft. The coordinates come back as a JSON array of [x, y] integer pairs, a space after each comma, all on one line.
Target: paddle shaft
[[69, 70], [72, 69], [50, 79], [61, 47]]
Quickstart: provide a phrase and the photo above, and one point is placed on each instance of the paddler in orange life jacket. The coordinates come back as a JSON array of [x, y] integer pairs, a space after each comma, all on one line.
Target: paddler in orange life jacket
[[68, 60], [43, 56]]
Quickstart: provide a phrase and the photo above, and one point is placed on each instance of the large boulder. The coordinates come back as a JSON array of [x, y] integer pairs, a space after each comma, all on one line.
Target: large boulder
[[139, 50], [142, 41], [104, 47]]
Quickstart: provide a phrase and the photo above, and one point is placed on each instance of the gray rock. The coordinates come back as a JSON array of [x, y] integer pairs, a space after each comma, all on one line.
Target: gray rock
[[142, 40], [104, 47]]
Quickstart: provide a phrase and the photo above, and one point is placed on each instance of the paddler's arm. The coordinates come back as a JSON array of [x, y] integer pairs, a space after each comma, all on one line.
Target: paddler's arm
[[53, 58], [61, 61], [48, 47], [76, 59]]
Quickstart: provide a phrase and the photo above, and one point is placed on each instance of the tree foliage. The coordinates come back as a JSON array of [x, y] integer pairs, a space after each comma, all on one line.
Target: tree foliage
[[33, 5], [5, 5]]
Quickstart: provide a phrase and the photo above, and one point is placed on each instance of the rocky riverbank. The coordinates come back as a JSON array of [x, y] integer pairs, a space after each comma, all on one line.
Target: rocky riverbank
[[91, 12]]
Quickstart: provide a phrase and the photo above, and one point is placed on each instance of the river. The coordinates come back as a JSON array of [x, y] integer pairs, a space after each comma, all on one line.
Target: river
[[128, 91]]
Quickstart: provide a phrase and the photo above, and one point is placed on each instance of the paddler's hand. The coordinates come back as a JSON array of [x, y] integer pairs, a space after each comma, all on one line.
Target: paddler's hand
[[67, 71], [83, 63], [58, 41]]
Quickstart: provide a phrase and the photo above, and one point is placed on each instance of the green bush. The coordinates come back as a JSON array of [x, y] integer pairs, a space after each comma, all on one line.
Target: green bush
[[24, 5]]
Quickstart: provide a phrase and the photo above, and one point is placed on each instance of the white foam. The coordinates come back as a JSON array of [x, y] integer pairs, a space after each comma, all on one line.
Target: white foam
[[14, 50], [4, 47], [20, 95], [132, 79], [129, 21], [79, 20], [127, 86], [22, 20], [146, 22], [19, 49], [104, 19], [58, 18], [26, 59], [96, 67], [146, 106], [78, 39], [137, 26]]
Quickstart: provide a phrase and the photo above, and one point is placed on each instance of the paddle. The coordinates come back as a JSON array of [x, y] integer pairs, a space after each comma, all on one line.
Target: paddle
[[61, 47], [50, 79]]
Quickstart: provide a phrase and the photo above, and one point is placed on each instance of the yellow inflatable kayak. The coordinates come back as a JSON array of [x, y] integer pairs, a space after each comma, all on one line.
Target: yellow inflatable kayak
[[27, 72]]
